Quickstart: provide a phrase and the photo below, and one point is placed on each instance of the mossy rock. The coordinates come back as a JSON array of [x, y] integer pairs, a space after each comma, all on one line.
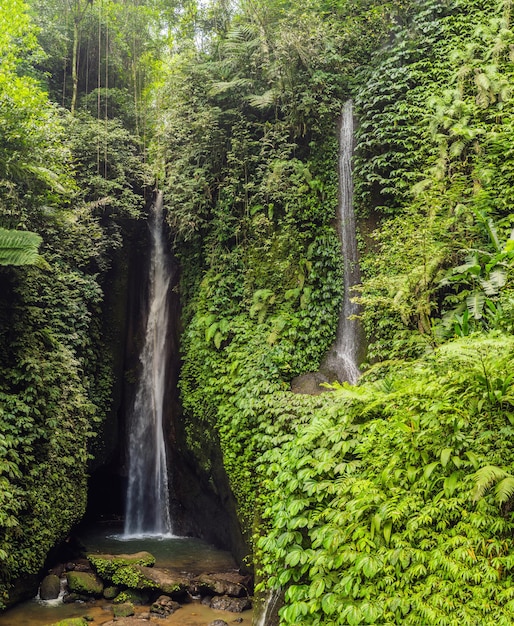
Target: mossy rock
[[132, 576], [123, 610], [132, 595], [111, 592], [107, 565], [84, 583], [50, 587]]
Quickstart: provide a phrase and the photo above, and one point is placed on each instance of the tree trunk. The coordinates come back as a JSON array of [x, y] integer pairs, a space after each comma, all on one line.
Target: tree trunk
[[74, 63]]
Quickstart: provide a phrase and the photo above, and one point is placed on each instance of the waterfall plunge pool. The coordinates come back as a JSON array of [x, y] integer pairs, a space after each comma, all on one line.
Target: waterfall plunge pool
[[181, 554]]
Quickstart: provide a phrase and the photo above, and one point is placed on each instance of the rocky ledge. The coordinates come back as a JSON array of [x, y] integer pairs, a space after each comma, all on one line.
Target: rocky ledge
[[127, 580]]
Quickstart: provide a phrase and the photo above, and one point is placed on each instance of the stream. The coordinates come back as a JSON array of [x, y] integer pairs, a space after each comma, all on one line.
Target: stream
[[183, 554]]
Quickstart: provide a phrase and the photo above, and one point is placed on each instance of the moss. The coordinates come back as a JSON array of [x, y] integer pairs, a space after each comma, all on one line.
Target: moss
[[131, 595], [111, 592], [107, 565], [132, 576], [123, 610], [84, 583]]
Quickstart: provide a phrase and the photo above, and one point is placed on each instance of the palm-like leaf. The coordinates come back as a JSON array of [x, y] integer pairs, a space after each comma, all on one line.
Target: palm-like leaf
[[497, 280], [504, 490], [19, 247], [475, 303], [488, 476], [265, 100]]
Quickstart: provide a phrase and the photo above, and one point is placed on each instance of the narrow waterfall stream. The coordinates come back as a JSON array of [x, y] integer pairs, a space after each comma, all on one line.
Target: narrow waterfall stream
[[147, 509], [345, 359]]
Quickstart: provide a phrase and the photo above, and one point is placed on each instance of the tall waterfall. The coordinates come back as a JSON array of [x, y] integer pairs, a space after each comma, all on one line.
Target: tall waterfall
[[348, 332], [147, 510]]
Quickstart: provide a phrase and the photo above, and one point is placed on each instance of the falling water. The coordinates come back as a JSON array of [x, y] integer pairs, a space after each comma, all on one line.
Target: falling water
[[147, 495], [348, 332], [267, 615]]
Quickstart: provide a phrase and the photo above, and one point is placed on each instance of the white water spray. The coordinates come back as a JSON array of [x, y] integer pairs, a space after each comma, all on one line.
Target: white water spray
[[147, 511]]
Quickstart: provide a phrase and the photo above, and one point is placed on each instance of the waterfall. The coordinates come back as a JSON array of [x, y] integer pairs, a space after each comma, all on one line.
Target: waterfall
[[267, 614], [343, 358], [147, 511]]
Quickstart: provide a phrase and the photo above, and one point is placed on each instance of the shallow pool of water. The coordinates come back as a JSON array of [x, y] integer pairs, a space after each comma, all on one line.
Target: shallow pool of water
[[182, 554], [185, 554]]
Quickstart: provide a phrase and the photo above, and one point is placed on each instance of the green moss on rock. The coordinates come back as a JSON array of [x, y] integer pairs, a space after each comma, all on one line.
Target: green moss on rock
[[108, 564], [132, 576], [123, 610], [111, 592], [132, 595], [84, 583]]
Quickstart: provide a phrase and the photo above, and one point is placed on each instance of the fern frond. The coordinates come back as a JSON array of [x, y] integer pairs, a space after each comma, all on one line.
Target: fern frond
[[485, 478], [475, 303], [262, 101], [504, 490], [223, 86], [19, 247], [497, 280], [49, 177]]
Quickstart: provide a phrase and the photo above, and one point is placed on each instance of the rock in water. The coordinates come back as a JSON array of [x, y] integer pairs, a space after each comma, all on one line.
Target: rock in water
[[50, 587], [227, 603], [224, 584], [123, 610], [164, 606]]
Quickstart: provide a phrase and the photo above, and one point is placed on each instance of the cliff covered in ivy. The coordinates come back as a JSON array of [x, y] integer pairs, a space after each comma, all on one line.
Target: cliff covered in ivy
[[389, 502], [384, 503], [73, 181]]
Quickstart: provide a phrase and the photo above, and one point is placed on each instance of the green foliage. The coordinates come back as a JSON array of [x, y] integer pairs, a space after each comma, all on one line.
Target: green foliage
[[377, 511], [18, 247], [434, 116], [55, 367]]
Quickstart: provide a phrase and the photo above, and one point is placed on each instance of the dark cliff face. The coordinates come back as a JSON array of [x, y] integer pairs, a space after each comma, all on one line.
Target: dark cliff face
[[202, 503]]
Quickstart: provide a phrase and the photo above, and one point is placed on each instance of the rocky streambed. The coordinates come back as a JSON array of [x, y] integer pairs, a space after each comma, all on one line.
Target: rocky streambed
[[133, 591]]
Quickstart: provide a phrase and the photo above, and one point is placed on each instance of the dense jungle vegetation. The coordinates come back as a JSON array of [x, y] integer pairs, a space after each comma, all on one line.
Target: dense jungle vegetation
[[390, 502]]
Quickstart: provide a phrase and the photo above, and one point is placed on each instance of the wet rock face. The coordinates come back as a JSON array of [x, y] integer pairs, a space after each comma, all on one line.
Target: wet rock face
[[310, 384]]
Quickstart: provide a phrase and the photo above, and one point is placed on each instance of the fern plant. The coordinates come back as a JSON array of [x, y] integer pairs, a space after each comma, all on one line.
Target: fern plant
[[19, 247]]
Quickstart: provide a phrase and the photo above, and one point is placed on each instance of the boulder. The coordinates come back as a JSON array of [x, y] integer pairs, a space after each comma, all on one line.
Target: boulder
[[78, 565], [50, 587], [163, 580], [106, 565], [123, 610], [70, 598], [111, 592], [225, 584], [228, 603], [311, 384], [84, 583], [218, 622], [164, 606], [132, 595]]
